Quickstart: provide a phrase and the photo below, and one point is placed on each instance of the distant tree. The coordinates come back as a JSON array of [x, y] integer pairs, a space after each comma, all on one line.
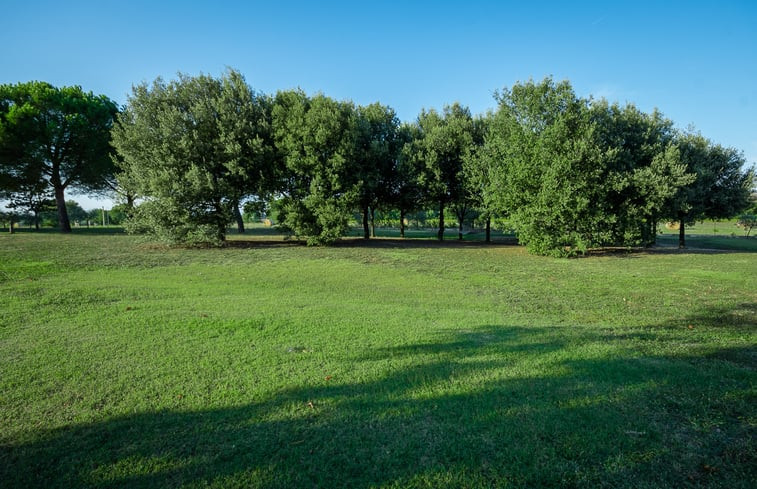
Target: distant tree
[[119, 213], [255, 210], [25, 190], [406, 193], [191, 148], [77, 213], [59, 135], [721, 188], [748, 222], [9, 218], [477, 170], [446, 139], [377, 151], [34, 198]]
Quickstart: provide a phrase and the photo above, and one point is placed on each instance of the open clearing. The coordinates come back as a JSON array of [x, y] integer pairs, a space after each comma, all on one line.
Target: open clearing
[[129, 365]]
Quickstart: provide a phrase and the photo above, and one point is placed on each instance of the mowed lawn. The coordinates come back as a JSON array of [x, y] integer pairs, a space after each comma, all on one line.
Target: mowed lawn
[[124, 364]]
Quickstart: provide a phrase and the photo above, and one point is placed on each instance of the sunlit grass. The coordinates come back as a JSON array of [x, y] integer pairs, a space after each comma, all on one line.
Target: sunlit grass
[[125, 364]]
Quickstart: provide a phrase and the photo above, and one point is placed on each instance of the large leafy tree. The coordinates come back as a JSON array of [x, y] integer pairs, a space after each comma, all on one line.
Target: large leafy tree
[[316, 138], [640, 170], [478, 168], [406, 191], [377, 151], [541, 138], [573, 175], [446, 140], [55, 138], [191, 148], [721, 188]]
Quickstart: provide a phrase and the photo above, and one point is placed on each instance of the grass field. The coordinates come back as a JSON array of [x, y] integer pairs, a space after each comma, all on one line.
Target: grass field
[[268, 364]]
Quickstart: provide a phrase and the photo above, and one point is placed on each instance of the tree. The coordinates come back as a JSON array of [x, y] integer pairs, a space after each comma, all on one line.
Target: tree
[[640, 170], [25, 189], [574, 174], [377, 150], [405, 190], [59, 135], [76, 212], [748, 222], [721, 188], [542, 142], [446, 141], [477, 170], [316, 138], [191, 148], [34, 197]]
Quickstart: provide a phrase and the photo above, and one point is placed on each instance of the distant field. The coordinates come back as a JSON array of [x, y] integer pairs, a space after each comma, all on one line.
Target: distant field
[[388, 364], [709, 228]]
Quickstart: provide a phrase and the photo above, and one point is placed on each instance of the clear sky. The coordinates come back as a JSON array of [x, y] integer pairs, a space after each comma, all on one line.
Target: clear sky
[[696, 61]]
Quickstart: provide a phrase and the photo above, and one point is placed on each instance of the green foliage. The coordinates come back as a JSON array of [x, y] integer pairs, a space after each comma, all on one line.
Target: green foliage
[[641, 171], [378, 144], [255, 210], [119, 213], [192, 148], [574, 174], [76, 212], [541, 139], [446, 140], [722, 186], [316, 138], [406, 193], [52, 139]]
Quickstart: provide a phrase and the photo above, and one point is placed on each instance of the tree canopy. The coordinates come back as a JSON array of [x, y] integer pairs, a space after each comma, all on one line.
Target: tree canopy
[[575, 174], [721, 188], [567, 173], [53, 139], [191, 148]]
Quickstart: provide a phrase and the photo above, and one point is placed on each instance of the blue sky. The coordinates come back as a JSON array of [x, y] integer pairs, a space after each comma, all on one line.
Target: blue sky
[[695, 61]]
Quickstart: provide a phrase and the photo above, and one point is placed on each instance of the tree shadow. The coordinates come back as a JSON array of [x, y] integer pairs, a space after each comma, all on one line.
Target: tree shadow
[[378, 243], [485, 407]]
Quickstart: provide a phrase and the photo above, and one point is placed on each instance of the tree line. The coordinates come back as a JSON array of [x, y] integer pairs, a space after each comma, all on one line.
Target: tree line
[[568, 173]]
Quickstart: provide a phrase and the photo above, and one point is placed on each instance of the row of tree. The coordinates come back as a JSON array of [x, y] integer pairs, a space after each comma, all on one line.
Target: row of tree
[[568, 173]]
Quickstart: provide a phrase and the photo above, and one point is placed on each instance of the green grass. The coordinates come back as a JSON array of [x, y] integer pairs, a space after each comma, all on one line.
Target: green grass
[[726, 228], [268, 364]]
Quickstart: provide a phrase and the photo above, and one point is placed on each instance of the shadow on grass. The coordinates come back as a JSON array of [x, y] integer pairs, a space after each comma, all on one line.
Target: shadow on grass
[[93, 230], [487, 407], [241, 242]]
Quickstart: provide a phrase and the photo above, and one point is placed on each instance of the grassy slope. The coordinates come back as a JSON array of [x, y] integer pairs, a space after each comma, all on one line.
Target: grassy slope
[[124, 365]]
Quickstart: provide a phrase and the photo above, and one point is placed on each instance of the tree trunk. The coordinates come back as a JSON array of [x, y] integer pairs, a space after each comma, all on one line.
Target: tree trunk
[[366, 230], [10, 224], [681, 231], [402, 223], [440, 234], [60, 202], [238, 217], [373, 222], [488, 229], [36, 220], [653, 233], [460, 230], [130, 201]]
